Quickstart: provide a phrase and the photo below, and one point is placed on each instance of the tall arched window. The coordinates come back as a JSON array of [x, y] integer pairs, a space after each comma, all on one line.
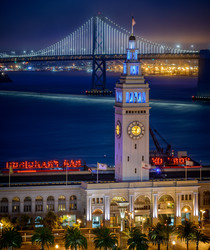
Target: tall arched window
[[73, 203], [15, 205], [39, 204], [4, 205], [50, 204], [62, 203], [27, 204]]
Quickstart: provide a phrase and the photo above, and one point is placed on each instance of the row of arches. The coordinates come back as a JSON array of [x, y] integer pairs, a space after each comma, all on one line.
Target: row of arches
[[39, 204], [144, 202]]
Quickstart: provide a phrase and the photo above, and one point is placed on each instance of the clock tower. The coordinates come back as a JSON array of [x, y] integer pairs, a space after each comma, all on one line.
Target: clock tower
[[131, 120]]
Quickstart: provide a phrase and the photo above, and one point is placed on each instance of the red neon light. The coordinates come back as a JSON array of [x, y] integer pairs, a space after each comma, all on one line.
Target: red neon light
[[170, 160], [43, 164]]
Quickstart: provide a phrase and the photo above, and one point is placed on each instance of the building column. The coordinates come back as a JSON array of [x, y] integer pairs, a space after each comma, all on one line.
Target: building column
[[56, 205], [195, 207], [155, 209], [107, 211], [9, 206], [89, 212], [21, 206], [178, 209], [131, 208]]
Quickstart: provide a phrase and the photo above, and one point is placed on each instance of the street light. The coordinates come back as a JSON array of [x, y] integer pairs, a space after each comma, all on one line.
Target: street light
[[56, 246], [173, 243]]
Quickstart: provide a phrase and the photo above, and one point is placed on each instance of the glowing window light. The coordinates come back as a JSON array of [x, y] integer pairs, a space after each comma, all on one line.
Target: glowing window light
[[131, 97], [127, 97], [134, 70], [143, 97], [139, 97], [135, 97], [124, 68]]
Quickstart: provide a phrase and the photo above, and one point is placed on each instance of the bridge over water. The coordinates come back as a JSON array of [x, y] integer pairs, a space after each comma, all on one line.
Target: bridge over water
[[99, 40]]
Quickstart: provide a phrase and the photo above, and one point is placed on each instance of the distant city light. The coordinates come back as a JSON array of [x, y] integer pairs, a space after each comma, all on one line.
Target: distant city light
[[178, 46]]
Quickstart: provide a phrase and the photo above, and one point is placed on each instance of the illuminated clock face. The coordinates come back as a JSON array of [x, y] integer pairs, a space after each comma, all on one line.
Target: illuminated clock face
[[118, 129], [136, 130]]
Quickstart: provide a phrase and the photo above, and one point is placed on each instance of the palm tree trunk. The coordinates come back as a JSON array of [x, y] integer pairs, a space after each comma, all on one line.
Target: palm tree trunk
[[167, 245], [75, 247], [158, 246], [197, 243], [187, 244]]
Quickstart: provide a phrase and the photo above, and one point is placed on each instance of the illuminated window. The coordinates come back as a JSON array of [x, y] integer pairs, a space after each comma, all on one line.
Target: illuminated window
[[143, 97], [128, 55], [124, 68], [50, 204], [4, 205], [139, 97], [15, 205], [135, 97], [101, 200], [118, 96], [93, 201], [131, 97], [38, 204], [27, 204], [97, 200], [73, 203], [136, 55], [127, 97], [186, 197], [134, 70], [62, 203]]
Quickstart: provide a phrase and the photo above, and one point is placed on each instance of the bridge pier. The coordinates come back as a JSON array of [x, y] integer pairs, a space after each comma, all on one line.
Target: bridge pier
[[203, 86]]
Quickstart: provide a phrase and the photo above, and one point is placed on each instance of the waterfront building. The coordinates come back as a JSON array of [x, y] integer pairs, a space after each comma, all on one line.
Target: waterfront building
[[132, 197]]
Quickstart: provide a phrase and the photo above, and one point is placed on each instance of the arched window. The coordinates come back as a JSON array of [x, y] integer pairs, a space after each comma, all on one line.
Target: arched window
[[27, 204], [62, 203], [142, 203], [166, 202], [39, 204], [50, 204], [4, 205], [206, 198], [73, 203], [15, 205]]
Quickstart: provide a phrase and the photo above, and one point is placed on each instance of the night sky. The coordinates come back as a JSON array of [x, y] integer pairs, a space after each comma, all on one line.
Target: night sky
[[33, 25]]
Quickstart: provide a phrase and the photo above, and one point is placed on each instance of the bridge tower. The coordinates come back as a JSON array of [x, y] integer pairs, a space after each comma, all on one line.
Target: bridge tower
[[99, 64], [203, 87], [132, 120]]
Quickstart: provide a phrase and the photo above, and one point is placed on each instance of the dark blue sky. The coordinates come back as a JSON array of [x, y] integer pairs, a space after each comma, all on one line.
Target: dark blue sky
[[33, 25]]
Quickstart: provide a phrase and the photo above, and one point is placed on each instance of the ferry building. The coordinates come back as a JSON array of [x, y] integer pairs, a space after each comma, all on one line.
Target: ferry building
[[131, 197]]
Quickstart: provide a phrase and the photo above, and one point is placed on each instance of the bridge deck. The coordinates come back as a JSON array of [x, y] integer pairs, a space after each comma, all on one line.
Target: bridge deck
[[106, 57]]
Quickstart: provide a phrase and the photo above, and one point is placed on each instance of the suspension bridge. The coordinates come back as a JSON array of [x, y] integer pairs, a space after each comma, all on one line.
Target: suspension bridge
[[99, 40]]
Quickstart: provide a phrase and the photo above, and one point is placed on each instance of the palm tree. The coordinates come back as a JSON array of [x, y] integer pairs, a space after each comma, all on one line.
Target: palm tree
[[167, 230], [74, 238], [51, 221], [104, 239], [156, 235], [43, 236], [185, 232], [199, 237], [137, 240], [10, 238]]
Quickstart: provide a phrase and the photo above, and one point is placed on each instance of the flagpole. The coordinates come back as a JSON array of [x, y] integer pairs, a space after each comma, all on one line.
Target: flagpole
[[132, 26], [66, 176], [9, 177], [97, 173]]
